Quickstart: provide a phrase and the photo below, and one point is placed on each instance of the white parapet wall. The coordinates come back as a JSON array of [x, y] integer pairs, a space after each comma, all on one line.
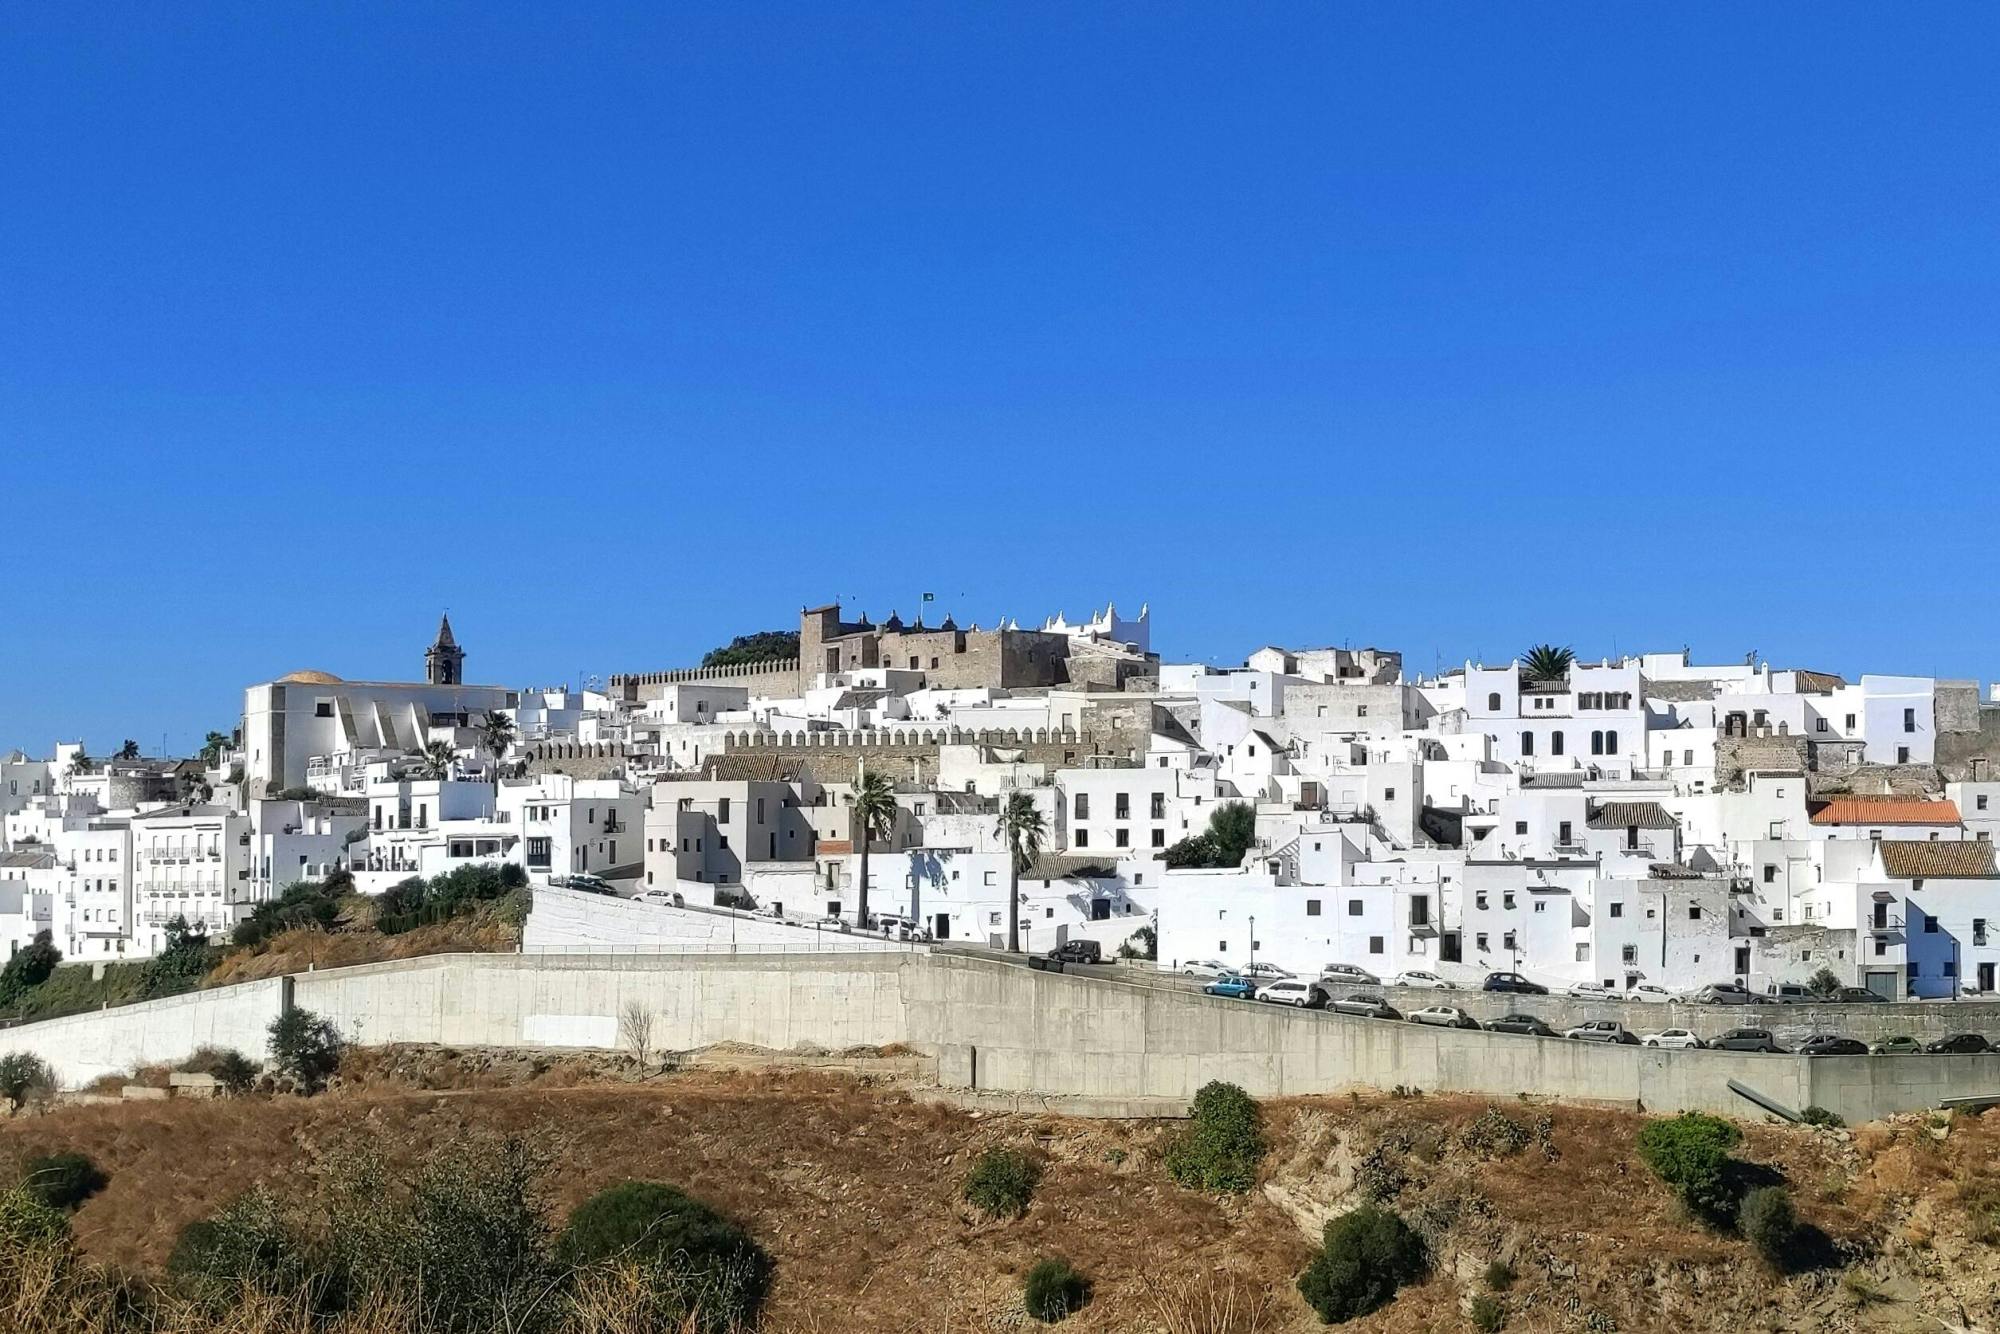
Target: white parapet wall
[[566, 920], [82, 1047]]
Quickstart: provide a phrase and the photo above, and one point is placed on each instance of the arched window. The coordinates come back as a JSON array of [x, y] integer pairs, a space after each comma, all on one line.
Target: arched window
[[1527, 743], [1597, 743], [1610, 743], [1555, 743], [1493, 702]]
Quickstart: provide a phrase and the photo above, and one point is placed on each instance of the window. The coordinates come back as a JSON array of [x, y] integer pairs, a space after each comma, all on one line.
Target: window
[[1979, 803], [1507, 900], [990, 877], [1374, 944], [1159, 806], [1123, 837], [1361, 710], [1979, 930], [1159, 838], [1850, 723], [1694, 912], [1354, 907], [1902, 754], [1081, 839], [1527, 743], [1909, 720], [1819, 725], [1507, 941], [1083, 805], [1563, 833], [721, 812], [1555, 743], [1770, 874], [1617, 910], [1541, 904], [1930, 925], [1121, 806], [1492, 706], [1520, 827], [323, 708], [1480, 899], [1610, 743], [1479, 942], [1388, 794], [1312, 907], [1420, 910], [1629, 954]]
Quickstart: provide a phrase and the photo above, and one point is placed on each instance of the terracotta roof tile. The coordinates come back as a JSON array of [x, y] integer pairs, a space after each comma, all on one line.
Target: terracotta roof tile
[[1886, 810], [1625, 814], [1920, 859]]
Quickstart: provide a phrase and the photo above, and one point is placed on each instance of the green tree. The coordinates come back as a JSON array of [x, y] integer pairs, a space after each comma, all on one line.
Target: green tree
[[874, 817], [1364, 1257], [1222, 1144], [1547, 663], [715, 1272], [1766, 1218], [1022, 825], [25, 1077], [80, 763], [212, 747], [437, 759], [186, 957], [497, 735], [1690, 1152], [29, 968], [1824, 983], [764, 646], [1232, 829], [305, 1047], [128, 751]]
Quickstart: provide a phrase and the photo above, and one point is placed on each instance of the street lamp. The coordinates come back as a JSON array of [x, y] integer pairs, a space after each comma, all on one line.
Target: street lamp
[[1253, 942]]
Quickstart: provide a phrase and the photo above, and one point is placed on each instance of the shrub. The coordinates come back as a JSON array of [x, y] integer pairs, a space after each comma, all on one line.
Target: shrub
[[1690, 1152], [1223, 1143], [1820, 1116], [25, 1078], [306, 1047], [231, 1068], [1767, 1220], [26, 1218], [1365, 1256], [186, 957], [710, 1269], [302, 903], [1141, 944], [1054, 1290], [1488, 1316], [1002, 1182], [62, 1180], [1499, 1276], [1824, 983], [249, 1242]]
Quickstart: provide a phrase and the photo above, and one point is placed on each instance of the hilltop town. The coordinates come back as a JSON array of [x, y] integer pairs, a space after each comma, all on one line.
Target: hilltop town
[[1632, 828]]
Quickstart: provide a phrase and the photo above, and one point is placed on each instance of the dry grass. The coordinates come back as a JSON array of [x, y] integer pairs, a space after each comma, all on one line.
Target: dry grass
[[296, 950]]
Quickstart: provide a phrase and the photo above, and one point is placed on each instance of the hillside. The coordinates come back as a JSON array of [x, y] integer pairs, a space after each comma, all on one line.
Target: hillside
[[854, 1188]]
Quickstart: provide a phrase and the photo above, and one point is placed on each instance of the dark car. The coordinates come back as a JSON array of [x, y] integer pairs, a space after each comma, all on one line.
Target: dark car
[[1233, 985], [1745, 1039], [1514, 983], [1078, 951], [1958, 1044], [1520, 1023], [1364, 1005], [1860, 996], [1832, 1044], [1901, 1045]]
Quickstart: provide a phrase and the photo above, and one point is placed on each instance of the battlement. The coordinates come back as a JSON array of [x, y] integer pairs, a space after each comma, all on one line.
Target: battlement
[[738, 740], [786, 669]]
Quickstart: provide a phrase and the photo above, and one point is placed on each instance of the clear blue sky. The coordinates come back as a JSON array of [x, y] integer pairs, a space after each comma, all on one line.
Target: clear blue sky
[[622, 331]]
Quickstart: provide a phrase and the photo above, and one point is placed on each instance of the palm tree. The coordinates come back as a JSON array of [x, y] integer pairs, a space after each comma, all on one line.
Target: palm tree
[[874, 817], [497, 734], [1021, 824], [128, 751], [1546, 662], [79, 763], [438, 757], [212, 747]]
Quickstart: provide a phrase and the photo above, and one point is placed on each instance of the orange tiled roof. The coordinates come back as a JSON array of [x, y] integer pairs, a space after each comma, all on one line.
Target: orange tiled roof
[[1886, 810]]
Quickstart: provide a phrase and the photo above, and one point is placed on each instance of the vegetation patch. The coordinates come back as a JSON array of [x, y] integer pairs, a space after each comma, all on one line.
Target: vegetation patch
[[1364, 1257], [1002, 1183], [1690, 1152], [1223, 1143], [1054, 1290]]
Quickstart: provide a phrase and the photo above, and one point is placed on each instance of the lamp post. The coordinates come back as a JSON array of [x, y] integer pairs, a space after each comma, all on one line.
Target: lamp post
[[1253, 942]]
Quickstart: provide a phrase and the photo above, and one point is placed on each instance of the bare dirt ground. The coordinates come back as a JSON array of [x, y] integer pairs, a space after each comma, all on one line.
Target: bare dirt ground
[[854, 1186]]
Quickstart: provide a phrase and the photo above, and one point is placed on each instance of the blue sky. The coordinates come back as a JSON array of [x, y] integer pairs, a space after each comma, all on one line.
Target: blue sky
[[620, 331]]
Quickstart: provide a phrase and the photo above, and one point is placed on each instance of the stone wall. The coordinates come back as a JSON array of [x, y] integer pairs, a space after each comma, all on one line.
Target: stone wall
[[779, 678], [598, 759], [1738, 755]]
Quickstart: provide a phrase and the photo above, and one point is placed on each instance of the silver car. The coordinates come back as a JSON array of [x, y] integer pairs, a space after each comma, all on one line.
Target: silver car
[[1347, 972], [1363, 1005], [1602, 1030], [1443, 1016]]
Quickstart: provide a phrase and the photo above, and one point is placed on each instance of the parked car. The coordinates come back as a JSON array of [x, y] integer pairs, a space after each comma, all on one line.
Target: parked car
[[1078, 951], [666, 898], [1291, 991], [1602, 1030], [1417, 977], [1363, 1005], [1233, 985], [1958, 1044], [1587, 991], [1745, 1039], [1443, 1016], [1860, 996], [1646, 991], [1263, 972], [1788, 993], [590, 884], [1520, 1023], [1832, 1044], [1900, 1045], [1204, 968], [1722, 993], [1347, 972], [1680, 1039], [1513, 982]]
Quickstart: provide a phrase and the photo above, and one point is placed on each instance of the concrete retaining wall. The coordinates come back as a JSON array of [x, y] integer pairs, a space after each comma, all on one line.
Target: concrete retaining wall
[[81, 1047]]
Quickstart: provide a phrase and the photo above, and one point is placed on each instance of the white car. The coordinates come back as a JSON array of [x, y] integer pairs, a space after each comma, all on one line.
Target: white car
[[1678, 1038], [1646, 991], [1417, 977], [1602, 1030], [1587, 991], [666, 898], [1204, 968], [1443, 1016], [1348, 973], [1268, 972], [1291, 991]]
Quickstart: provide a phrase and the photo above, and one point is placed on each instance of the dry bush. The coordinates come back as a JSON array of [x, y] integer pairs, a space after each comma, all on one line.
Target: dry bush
[[1214, 1304]]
